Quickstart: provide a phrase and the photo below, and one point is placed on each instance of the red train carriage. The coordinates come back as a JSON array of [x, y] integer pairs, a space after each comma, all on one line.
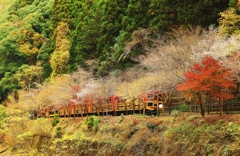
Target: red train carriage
[[153, 101], [114, 105], [117, 104], [50, 111]]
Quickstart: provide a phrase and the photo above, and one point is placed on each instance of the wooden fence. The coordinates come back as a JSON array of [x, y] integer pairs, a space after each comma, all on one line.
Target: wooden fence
[[229, 107]]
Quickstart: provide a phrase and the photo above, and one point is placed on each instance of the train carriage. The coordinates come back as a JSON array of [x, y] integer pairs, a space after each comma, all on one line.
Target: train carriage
[[153, 102], [114, 105]]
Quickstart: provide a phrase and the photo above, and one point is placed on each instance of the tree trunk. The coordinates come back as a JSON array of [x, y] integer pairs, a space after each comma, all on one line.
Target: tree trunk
[[169, 105], [202, 111], [133, 103], [201, 105], [220, 106], [226, 105], [144, 108]]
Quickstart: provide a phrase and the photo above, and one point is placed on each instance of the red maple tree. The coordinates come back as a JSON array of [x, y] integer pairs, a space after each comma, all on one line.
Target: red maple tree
[[208, 78]]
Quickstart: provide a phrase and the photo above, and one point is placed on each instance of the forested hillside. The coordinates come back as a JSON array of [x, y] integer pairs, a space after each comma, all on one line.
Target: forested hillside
[[40, 39], [69, 58]]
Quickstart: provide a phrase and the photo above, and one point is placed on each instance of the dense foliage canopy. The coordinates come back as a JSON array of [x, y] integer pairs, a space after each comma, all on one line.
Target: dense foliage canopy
[[59, 36]]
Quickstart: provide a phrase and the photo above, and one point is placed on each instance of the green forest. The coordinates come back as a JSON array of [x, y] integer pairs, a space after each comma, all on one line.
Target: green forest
[[54, 53], [41, 39]]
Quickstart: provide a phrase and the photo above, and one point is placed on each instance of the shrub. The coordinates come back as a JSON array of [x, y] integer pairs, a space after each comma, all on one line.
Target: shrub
[[183, 107], [175, 113], [59, 132], [92, 123], [122, 118], [151, 126], [55, 120]]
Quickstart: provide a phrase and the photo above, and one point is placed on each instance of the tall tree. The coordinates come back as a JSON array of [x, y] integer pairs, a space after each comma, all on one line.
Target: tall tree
[[23, 31], [208, 78], [60, 56], [110, 28], [85, 37], [28, 75], [229, 22]]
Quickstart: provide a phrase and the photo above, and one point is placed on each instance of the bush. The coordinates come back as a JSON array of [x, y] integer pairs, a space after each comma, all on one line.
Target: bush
[[59, 132], [122, 118], [92, 123], [55, 120], [175, 113], [151, 126], [183, 107]]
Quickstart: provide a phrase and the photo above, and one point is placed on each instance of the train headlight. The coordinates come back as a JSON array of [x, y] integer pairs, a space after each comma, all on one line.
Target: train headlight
[[160, 106]]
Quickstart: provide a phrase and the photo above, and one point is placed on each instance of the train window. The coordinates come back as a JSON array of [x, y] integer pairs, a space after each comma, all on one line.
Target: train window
[[150, 104], [150, 98], [155, 97]]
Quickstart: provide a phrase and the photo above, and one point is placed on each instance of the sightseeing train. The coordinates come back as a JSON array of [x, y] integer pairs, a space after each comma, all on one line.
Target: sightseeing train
[[149, 103]]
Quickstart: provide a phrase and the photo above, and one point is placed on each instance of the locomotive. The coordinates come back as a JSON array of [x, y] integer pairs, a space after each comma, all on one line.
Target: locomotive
[[149, 103]]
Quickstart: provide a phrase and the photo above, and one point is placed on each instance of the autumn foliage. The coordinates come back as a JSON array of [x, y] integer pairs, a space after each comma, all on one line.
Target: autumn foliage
[[208, 78]]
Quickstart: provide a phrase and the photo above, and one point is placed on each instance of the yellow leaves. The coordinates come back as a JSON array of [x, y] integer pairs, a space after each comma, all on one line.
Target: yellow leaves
[[62, 39], [11, 99], [27, 100], [29, 42], [229, 22], [59, 62], [63, 44], [59, 58], [25, 31], [27, 75], [28, 50], [58, 91], [62, 30], [63, 80], [37, 39]]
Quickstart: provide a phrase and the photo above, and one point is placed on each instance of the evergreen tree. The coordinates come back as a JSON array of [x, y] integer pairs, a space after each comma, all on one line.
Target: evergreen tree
[[136, 16], [110, 28], [25, 29], [170, 14], [162, 14], [84, 38]]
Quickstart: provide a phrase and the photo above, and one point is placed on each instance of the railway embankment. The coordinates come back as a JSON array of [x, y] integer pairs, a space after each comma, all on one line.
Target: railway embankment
[[182, 134]]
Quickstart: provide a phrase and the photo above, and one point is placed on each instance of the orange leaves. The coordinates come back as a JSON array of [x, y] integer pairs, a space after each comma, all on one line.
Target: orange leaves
[[208, 78]]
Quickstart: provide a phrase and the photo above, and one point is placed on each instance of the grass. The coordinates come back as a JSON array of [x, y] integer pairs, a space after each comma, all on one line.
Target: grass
[[134, 135]]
